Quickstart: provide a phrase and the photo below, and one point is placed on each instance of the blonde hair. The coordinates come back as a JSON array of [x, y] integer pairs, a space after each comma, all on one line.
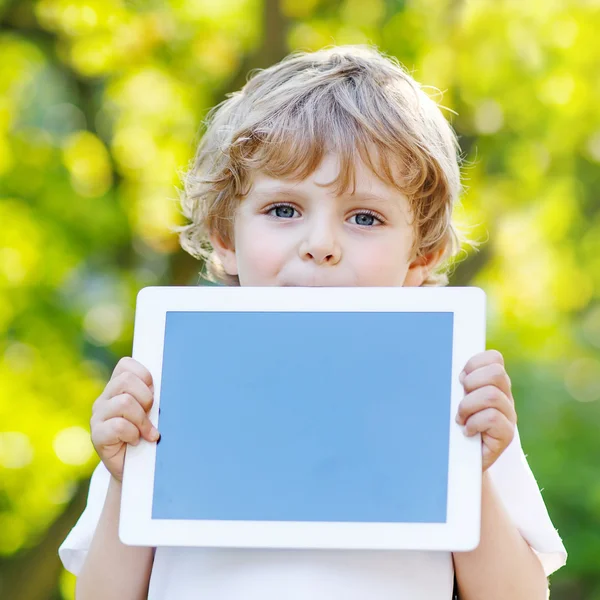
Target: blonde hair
[[343, 99]]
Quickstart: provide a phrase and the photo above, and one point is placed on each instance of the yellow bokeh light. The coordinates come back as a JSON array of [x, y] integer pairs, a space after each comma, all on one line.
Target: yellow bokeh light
[[525, 46], [216, 55], [104, 323], [154, 215], [12, 267], [73, 446], [94, 55], [88, 163], [557, 89], [528, 272], [137, 37], [78, 18], [20, 357], [489, 117], [21, 62], [16, 450], [563, 32], [133, 147], [151, 98], [582, 379], [48, 13]]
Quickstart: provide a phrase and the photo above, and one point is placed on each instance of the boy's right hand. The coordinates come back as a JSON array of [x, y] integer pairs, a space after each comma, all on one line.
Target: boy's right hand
[[120, 414]]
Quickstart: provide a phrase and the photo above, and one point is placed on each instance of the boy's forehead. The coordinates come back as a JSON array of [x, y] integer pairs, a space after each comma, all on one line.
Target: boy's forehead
[[323, 177]]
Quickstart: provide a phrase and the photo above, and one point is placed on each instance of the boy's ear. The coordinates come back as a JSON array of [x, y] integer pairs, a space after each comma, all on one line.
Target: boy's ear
[[225, 254], [420, 268]]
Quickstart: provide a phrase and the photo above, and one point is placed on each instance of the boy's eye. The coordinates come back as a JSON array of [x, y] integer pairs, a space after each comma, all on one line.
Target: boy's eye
[[282, 211], [366, 219]]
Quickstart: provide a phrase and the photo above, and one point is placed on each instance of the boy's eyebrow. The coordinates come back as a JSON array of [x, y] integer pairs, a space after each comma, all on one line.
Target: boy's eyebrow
[[371, 197], [278, 191]]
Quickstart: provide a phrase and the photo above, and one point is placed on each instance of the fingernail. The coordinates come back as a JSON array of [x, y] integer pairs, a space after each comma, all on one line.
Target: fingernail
[[461, 377], [154, 435]]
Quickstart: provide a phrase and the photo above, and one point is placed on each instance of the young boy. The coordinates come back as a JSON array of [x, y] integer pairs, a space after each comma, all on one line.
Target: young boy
[[330, 168]]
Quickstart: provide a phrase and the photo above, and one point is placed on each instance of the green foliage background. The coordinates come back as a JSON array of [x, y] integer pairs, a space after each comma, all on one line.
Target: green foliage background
[[100, 106]]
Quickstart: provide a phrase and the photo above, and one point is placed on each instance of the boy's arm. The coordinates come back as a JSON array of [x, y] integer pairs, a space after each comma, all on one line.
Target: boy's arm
[[111, 569], [503, 565]]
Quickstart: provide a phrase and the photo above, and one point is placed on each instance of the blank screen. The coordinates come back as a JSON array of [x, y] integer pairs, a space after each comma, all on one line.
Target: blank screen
[[304, 416]]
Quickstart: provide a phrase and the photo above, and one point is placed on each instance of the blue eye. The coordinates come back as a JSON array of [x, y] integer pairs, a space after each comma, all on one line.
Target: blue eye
[[282, 211], [366, 219]]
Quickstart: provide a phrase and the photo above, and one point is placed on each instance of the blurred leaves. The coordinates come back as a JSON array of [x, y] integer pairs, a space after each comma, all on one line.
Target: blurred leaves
[[100, 105]]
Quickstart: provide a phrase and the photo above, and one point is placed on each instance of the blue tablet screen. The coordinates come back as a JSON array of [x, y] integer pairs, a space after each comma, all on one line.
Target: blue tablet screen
[[304, 416]]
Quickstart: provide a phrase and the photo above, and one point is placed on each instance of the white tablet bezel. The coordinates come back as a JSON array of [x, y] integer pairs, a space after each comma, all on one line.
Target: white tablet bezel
[[459, 533]]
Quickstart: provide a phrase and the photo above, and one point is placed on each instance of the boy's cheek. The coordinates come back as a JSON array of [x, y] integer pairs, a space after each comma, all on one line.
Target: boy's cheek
[[377, 266], [259, 260]]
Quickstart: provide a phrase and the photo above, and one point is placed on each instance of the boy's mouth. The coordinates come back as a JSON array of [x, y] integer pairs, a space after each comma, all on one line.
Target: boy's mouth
[[314, 280]]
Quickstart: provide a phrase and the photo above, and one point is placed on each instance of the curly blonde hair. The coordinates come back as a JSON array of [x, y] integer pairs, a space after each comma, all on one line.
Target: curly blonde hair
[[343, 99]]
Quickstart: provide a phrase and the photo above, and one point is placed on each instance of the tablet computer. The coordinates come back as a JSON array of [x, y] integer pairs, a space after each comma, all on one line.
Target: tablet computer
[[306, 418]]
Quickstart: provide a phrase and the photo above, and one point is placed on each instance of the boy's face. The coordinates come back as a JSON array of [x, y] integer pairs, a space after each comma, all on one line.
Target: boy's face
[[289, 233]]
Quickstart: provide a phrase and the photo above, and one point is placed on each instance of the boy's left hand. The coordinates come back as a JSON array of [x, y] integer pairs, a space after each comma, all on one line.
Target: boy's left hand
[[488, 406]]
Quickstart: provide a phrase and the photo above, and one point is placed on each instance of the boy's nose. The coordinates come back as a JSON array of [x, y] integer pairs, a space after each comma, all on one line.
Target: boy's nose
[[323, 251]]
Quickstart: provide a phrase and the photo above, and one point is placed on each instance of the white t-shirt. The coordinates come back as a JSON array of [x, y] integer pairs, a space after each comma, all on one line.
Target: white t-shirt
[[253, 574]]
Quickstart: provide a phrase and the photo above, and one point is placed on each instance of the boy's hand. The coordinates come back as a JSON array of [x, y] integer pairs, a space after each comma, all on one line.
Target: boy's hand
[[488, 406], [120, 414]]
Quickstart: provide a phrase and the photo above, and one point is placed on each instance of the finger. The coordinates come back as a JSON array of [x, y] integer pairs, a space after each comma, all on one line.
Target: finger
[[492, 424], [129, 382], [126, 406], [496, 430], [488, 396], [115, 431], [482, 359], [130, 364], [493, 374]]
